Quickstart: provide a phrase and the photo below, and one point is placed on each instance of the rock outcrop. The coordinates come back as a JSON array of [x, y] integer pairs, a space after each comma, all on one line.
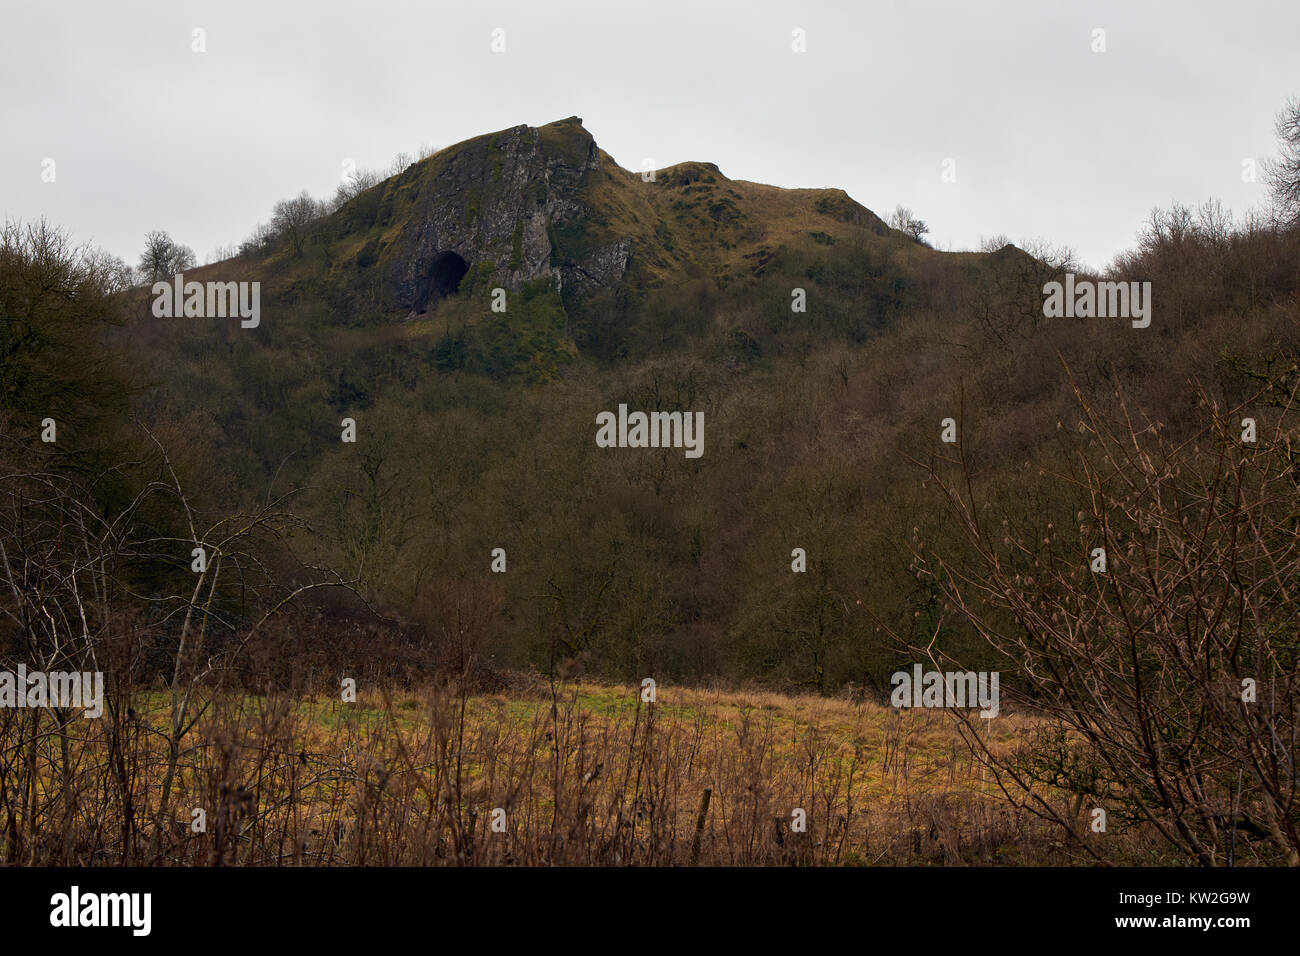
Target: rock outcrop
[[491, 208], [546, 203]]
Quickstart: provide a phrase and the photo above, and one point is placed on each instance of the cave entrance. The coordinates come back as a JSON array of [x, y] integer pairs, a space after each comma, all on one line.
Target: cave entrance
[[445, 275]]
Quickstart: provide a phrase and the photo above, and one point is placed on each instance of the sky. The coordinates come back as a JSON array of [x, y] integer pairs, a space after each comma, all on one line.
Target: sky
[[1015, 118]]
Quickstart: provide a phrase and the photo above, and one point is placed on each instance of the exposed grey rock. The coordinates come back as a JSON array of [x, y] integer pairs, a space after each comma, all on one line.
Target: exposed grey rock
[[602, 269], [494, 202]]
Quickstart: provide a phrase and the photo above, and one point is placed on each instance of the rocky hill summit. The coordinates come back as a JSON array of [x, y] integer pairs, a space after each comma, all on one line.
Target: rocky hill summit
[[493, 204], [599, 261], [529, 203]]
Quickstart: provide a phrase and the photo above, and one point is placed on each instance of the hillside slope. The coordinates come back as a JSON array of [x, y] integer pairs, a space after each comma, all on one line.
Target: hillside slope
[[526, 203], [476, 428]]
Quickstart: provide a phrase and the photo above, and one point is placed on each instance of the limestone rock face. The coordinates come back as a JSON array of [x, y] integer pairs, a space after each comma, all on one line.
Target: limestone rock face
[[490, 207], [546, 204]]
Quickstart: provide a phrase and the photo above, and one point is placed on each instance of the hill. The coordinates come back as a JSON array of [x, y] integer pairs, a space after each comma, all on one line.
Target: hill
[[393, 479], [823, 348]]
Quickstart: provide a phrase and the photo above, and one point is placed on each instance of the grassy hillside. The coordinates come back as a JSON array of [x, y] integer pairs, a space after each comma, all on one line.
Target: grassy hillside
[[476, 428]]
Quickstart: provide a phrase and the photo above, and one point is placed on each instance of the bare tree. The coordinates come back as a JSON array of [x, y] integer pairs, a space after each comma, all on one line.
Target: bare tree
[[355, 185], [1005, 295], [903, 220], [401, 163], [70, 601], [290, 218], [55, 297], [259, 243], [1283, 174], [222, 253], [1168, 672], [163, 257], [994, 243]]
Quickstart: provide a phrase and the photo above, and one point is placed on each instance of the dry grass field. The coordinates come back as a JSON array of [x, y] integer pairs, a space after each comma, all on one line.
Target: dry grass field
[[571, 774]]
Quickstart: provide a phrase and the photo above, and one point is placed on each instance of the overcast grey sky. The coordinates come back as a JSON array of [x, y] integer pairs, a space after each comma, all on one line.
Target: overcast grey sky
[[1050, 139]]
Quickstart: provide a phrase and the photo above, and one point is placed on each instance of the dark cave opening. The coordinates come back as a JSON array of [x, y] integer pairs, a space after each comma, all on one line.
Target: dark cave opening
[[444, 277]]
